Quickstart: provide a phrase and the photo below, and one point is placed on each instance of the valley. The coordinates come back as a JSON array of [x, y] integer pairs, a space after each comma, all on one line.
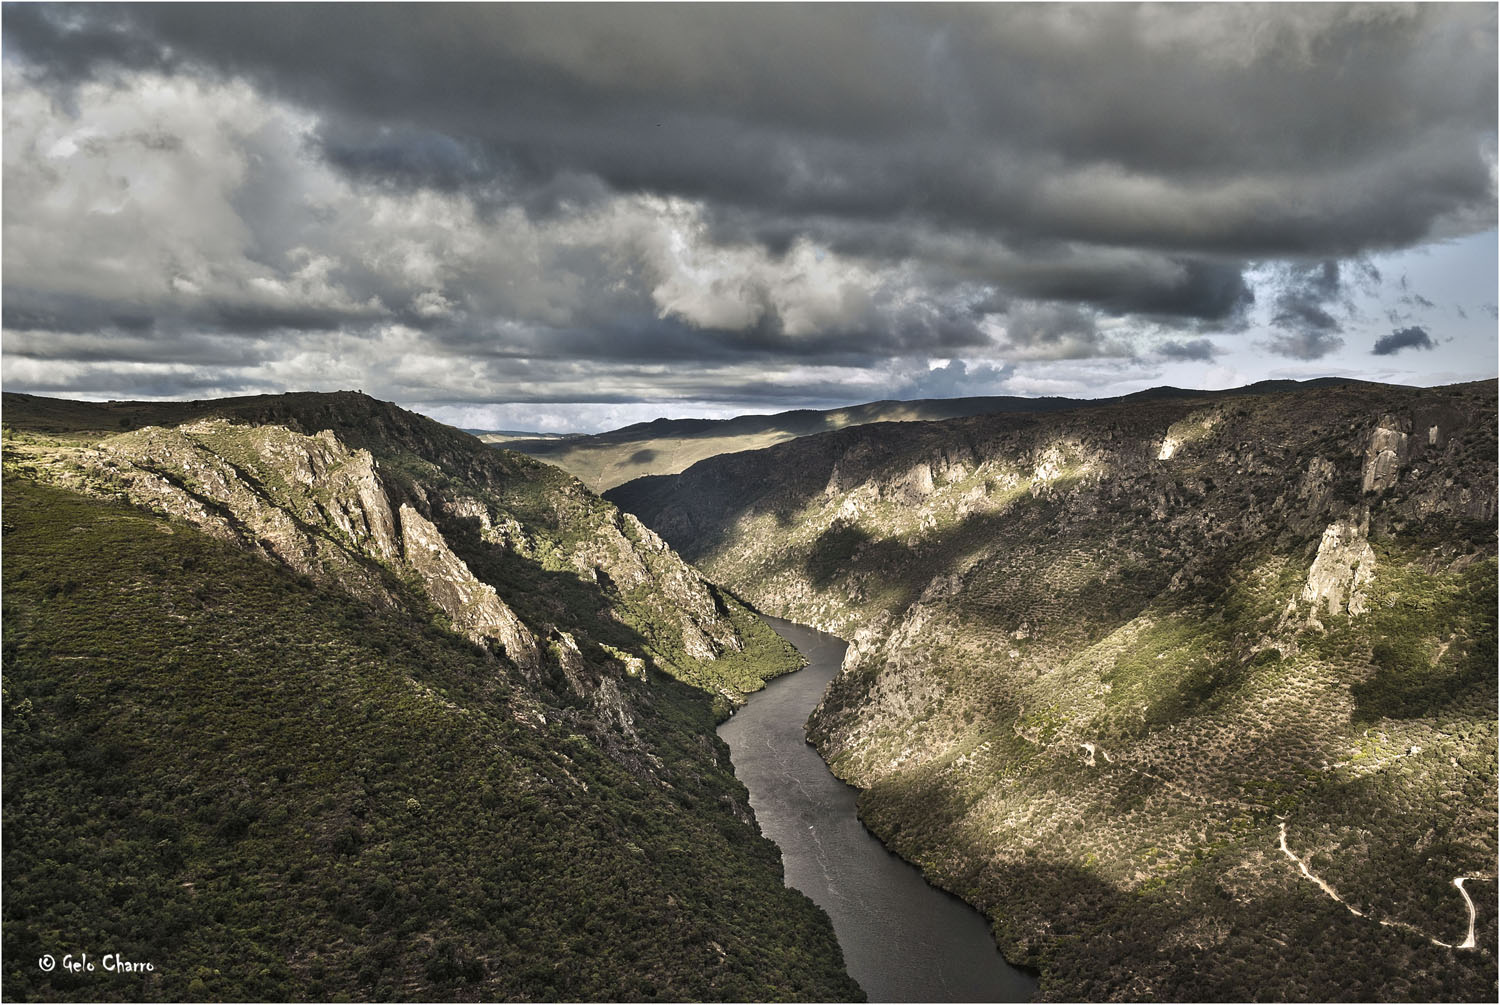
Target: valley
[[1127, 678], [1185, 694], [750, 502]]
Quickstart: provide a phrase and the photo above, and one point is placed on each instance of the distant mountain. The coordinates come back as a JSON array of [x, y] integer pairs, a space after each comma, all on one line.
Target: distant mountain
[[667, 446], [308, 696], [1194, 694]]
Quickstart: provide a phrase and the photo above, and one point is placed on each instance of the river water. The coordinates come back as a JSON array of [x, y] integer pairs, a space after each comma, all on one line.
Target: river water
[[903, 940]]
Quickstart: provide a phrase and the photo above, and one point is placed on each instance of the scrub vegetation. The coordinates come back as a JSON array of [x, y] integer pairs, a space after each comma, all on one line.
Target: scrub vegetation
[[281, 751], [1104, 660]]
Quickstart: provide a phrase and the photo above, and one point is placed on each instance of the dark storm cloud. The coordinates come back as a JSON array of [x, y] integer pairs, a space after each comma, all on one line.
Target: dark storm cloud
[[798, 185], [1305, 345], [1310, 306], [1201, 350], [1307, 295], [1239, 130], [1212, 291], [1414, 337], [406, 158], [27, 310]]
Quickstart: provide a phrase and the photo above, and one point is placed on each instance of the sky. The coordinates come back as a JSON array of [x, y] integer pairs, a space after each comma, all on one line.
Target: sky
[[573, 217]]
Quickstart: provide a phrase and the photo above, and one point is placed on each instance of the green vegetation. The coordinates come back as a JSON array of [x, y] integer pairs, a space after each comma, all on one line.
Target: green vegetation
[[275, 784], [273, 791], [1095, 678]]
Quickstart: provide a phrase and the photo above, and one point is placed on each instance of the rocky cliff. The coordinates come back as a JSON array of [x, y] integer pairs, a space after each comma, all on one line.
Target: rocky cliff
[[320, 501], [347, 704], [1189, 695]]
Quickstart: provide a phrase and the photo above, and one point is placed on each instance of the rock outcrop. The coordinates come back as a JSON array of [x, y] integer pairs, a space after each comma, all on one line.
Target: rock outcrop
[[475, 608], [374, 500], [1344, 565], [312, 503], [279, 492], [1386, 452]]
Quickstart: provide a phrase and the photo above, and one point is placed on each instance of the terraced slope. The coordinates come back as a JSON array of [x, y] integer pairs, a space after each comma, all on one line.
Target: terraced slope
[[1196, 699], [307, 696]]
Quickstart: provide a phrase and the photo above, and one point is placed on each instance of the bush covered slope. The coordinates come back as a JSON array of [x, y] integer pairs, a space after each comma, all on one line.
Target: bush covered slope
[[1195, 698], [375, 712]]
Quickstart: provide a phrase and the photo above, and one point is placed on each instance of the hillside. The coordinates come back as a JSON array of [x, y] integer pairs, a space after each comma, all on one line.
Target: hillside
[[307, 696], [1195, 697], [667, 446]]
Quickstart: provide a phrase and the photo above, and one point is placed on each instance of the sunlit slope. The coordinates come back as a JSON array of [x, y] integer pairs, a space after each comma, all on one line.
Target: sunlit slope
[[320, 699], [668, 446], [354, 491], [1120, 675]]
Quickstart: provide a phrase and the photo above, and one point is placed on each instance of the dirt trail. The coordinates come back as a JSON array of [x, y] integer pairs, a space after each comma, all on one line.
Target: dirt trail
[[1092, 751], [1468, 942]]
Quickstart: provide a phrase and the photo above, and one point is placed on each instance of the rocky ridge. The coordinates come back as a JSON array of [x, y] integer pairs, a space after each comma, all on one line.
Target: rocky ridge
[[355, 706], [334, 512]]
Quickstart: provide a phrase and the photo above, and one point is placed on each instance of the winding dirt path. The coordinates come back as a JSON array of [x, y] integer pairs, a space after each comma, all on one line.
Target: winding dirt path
[[1094, 751], [1468, 942]]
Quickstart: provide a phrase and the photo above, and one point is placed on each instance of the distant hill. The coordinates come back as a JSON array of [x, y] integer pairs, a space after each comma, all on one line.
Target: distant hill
[[667, 446], [499, 437], [308, 697], [1128, 676]]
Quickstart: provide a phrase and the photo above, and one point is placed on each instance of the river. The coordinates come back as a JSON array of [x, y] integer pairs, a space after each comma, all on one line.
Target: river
[[903, 940]]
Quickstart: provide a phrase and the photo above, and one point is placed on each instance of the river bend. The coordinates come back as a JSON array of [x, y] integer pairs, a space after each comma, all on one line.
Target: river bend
[[903, 940]]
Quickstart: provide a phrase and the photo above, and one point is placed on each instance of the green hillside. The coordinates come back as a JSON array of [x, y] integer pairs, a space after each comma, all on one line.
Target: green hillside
[[279, 749], [1120, 674]]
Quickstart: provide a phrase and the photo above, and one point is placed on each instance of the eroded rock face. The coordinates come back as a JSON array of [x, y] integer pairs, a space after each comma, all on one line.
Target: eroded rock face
[[268, 487], [1344, 565], [1316, 486], [570, 660], [631, 555], [312, 503], [475, 607], [359, 507], [1386, 452]]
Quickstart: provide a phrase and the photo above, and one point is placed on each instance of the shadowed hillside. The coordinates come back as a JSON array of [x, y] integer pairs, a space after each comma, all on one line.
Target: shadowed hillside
[[1194, 696], [307, 696]]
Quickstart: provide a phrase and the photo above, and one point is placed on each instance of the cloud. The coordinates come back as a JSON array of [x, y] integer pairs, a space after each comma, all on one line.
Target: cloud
[[1311, 344], [1310, 307], [515, 202], [1055, 331], [1307, 294], [1209, 130], [1414, 337], [956, 379], [1198, 349]]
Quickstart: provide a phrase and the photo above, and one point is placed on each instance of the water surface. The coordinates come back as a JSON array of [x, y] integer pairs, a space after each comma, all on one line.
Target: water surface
[[903, 940]]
